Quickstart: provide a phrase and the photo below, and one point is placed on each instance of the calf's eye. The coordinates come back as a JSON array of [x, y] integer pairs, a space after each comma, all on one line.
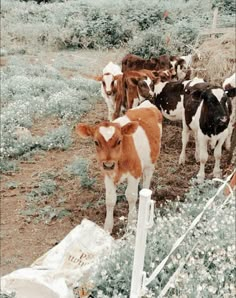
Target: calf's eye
[[118, 142], [96, 143]]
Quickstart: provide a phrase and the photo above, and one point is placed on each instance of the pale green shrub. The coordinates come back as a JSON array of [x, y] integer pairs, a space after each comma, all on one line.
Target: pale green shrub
[[79, 167], [7, 166], [12, 295], [33, 91], [105, 24]]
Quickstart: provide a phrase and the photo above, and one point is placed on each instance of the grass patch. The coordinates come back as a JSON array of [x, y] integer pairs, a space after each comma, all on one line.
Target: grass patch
[[38, 201], [80, 167]]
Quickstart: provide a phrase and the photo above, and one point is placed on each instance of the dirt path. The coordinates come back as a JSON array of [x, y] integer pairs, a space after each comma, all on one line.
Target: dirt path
[[25, 237]]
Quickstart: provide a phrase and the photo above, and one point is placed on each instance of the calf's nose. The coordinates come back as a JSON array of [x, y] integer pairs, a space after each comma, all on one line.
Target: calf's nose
[[108, 165], [223, 119]]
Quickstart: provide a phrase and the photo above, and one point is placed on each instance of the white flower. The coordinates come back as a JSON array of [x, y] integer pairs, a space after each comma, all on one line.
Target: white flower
[[212, 290]]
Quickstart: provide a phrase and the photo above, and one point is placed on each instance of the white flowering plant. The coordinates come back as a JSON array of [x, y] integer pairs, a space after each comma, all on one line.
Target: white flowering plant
[[31, 92], [210, 269]]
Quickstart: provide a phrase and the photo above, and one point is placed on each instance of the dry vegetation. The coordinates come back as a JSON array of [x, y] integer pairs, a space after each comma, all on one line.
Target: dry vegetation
[[217, 59]]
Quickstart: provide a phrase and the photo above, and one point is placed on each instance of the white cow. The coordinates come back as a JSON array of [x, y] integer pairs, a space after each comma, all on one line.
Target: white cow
[[109, 77]]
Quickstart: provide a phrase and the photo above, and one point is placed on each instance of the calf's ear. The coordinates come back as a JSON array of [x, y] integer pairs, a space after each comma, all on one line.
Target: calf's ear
[[231, 92], [129, 128], [97, 78], [197, 94], [84, 130], [155, 73], [133, 81], [116, 77]]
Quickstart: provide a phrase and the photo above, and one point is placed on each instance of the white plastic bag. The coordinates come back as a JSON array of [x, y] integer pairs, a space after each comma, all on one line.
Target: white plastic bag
[[56, 273]]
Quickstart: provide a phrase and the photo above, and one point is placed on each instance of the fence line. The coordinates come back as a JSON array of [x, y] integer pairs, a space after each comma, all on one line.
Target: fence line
[[142, 281], [145, 221], [176, 273], [178, 270]]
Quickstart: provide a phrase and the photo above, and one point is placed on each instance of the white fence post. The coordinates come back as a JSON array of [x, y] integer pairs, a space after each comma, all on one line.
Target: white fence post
[[145, 221]]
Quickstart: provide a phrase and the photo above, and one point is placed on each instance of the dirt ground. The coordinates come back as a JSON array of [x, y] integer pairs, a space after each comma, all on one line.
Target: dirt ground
[[25, 238]]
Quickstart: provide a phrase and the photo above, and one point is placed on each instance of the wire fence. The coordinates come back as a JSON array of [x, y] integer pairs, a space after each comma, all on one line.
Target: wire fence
[[139, 281]]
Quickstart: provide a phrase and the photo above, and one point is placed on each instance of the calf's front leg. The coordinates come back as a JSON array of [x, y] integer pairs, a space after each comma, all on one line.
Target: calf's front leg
[[217, 155], [110, 203], [203, 155], [131, 194], [185, 139]]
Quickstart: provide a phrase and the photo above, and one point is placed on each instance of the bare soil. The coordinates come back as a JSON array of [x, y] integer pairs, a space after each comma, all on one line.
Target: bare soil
[[24, 238]]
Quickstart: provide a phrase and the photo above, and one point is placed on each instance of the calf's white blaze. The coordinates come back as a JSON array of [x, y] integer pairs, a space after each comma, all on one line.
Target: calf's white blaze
[[148, 82], [218, 93], [107, 132], [108, 80]]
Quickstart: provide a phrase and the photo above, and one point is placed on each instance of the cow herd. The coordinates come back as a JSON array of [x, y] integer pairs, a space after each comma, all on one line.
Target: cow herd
[[137, 96]]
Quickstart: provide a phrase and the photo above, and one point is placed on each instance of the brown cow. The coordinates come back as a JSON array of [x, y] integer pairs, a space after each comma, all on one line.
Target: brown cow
[[136, 86], [133, 62]]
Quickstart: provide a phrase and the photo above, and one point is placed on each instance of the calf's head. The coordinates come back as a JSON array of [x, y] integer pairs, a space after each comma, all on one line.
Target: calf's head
[[145, 86], [182, 70], [230, 92], [109, 83], [216, 107], [108, 138]]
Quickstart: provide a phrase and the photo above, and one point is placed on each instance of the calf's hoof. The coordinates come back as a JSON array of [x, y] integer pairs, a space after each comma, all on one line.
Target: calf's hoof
[[181, 160], [200, 179], [217, 174], [197, 158], [108, 227], [228, 145]]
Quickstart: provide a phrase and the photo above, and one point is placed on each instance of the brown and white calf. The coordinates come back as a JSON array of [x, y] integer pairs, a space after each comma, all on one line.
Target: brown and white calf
[[136, 87], [229, 85], [169, 97], [127, 148], [111, 74], [207, 112]]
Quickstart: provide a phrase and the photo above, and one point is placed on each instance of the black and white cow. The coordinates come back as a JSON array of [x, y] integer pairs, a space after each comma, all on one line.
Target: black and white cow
[[229, 85], [182, 67], [169, 97], [207, 112]]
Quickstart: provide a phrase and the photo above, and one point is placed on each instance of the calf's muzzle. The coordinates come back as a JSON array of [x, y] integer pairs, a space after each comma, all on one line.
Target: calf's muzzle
[[108, 165]]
